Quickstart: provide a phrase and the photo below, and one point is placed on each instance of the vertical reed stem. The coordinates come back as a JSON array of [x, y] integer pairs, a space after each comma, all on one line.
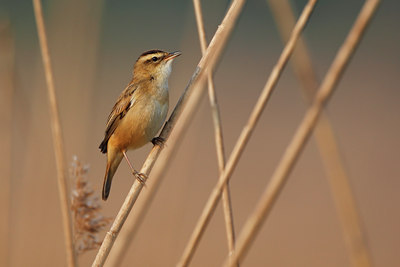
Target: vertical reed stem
[[7, 75], [219, 142], [57, 136]]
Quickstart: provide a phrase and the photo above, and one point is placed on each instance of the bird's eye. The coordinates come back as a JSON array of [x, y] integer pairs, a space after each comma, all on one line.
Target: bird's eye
[[154, 59]]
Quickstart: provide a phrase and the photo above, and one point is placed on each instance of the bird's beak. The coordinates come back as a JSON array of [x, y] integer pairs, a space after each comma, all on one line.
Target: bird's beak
[[172, 55]]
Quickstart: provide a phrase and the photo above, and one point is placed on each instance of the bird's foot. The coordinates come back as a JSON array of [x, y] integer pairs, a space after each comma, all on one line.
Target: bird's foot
[[158, 141], [141, 177]]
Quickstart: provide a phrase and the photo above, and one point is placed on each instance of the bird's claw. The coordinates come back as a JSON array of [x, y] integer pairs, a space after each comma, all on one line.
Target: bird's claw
[[158, 141], [141, 177]]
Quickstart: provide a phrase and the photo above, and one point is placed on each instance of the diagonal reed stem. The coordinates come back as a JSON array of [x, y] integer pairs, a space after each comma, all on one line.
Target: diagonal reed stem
[[207, 63], [57, 136], [326, 141], [269, 197], [132, 225], [219, 142], [245, 136]]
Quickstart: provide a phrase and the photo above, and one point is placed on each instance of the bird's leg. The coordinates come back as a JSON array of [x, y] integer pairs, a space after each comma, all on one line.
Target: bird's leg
[[158, 141], [141, 177]]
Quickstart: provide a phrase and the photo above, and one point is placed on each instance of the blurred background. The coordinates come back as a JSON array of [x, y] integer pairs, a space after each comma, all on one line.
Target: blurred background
[[94, 45]]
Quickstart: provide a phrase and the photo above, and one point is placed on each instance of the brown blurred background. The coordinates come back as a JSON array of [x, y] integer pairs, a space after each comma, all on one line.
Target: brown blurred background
[[94, 44]]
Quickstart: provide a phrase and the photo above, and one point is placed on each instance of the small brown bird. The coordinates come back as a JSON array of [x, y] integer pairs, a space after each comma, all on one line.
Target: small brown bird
[[139, 113]]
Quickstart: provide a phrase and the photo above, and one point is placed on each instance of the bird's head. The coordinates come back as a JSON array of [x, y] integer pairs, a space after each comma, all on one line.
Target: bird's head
[[154, 65]]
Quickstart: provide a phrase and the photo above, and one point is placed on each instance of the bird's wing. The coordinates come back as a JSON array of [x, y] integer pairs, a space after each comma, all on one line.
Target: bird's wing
[[121, 107]]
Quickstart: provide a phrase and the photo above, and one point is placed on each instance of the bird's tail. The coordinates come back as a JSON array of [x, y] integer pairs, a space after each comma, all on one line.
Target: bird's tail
[[112, 166]]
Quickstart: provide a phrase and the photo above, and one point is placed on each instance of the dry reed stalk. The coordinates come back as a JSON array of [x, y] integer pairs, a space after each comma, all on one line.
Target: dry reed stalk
[[207, 63], [219, 142], [338, 178], [264, 206], [57, 136], [7, 75], [245, 136]]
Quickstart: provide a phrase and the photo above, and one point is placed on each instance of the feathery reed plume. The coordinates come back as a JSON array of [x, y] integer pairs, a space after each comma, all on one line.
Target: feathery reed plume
[[87, 219]]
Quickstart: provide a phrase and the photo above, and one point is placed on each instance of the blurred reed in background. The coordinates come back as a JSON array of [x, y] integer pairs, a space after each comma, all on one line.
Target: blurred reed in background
[[94, 44]]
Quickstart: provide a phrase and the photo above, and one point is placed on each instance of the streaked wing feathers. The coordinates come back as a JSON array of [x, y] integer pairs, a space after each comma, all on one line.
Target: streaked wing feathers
[[118, 112]]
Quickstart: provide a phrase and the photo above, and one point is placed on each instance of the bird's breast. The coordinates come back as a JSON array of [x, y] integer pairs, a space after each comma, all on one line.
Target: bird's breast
[[157, 111], [144, 119]]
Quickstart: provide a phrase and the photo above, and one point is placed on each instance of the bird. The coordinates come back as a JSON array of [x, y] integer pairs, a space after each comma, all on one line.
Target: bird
[[139, 112]]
